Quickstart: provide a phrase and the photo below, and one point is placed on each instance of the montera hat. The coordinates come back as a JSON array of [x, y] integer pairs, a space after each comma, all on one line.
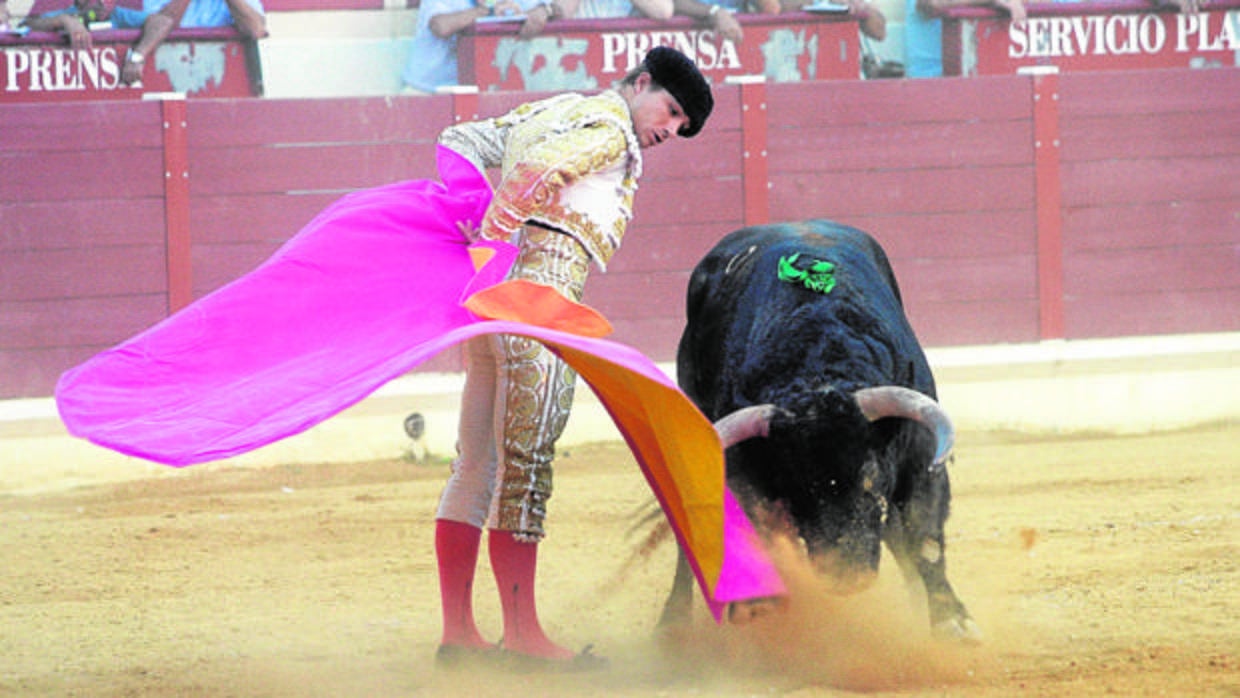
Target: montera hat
[[678, 75]]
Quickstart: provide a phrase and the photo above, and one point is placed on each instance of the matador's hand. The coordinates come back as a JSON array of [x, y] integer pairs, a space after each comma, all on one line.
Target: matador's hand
[[468, 229]]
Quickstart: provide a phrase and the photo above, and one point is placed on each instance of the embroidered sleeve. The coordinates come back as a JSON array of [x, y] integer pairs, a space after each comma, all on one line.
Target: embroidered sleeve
[[483, 142], [480, 142], [548, 166]]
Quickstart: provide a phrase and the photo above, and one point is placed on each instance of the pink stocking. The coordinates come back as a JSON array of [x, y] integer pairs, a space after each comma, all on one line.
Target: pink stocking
[[456, 549], [515, 564]]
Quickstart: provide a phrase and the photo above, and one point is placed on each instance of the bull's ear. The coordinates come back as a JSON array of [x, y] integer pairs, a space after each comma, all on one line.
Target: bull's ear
[[898, 401]]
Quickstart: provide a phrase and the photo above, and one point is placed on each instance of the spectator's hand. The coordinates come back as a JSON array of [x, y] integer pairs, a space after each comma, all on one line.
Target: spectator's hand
[[79, 35], [1188, 7], [131, 72], [506, 8], [534, 22], [1015, 8], [872, 22], [725, 25], [467, 229]]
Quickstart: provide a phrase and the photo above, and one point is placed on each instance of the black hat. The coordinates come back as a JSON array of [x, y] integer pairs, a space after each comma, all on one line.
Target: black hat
[[674, 72]]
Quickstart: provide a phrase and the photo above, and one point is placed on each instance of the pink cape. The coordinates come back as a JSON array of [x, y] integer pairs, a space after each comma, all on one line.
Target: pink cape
[[369, 289]]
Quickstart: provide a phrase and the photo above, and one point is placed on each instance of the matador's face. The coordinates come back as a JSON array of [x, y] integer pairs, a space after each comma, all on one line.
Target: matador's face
[[657, 116]]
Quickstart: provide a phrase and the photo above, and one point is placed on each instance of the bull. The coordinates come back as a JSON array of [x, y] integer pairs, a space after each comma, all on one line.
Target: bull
[[798, 347]]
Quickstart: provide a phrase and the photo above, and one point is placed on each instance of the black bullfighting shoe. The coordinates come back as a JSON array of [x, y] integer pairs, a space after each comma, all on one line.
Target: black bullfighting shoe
[[583, 661], [464, 657]]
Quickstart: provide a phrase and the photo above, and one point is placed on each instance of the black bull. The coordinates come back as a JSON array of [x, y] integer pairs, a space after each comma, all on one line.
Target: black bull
[[798, 347]]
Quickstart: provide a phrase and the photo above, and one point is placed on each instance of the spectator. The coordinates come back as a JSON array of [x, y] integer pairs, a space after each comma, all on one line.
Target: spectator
[[1187, 7], [870, 19], [156, 19], [609, 9], [1184, 6], [717, 15], [432, 57], [165, 15], [74, 21], [923, 32]]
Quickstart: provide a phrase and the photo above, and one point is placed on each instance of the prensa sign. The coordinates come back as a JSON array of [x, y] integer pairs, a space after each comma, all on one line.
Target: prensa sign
[[594, 54], [1077, 36], [34, 69], [41, 67]]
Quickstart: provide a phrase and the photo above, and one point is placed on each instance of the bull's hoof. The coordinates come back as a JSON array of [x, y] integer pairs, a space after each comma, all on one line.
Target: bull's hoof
[[675, 615], [744, 612], [961, 629]]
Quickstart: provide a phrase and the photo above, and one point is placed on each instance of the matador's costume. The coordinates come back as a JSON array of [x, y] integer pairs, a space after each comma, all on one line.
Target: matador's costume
[[383, 279], [570, 166]]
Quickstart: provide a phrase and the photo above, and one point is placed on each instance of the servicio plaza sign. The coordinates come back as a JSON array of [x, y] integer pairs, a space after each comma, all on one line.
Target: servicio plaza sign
[[1117, 35], [1115, 41]]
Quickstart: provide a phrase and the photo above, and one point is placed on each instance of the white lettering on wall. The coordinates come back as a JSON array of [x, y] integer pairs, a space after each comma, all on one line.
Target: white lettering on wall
[[1119, 35], [623, 51], [42, 69], [15, 63], [1208, 31]]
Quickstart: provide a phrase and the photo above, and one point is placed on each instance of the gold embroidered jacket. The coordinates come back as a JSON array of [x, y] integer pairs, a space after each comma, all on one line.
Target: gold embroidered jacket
[[570, 163]]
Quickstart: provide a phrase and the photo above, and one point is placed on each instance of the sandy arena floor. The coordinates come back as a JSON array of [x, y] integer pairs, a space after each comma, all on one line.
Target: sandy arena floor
[[1096, 565]]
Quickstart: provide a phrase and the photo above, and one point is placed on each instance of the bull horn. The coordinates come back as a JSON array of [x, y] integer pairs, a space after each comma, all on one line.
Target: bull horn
[[744, 424], [895, 401]]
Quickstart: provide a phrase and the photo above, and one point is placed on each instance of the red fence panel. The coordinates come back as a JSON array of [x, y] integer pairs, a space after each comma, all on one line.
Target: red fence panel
[[261, 169], [942, 172], [81, 235], [1150, 198], [943, 177]]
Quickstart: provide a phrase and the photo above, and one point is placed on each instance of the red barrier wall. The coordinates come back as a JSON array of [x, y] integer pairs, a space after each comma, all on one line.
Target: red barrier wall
[[1151, 202], [945, 173]]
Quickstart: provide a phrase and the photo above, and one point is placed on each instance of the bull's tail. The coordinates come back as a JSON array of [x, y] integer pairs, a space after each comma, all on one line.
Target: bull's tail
[[649, 523], [652, 530]]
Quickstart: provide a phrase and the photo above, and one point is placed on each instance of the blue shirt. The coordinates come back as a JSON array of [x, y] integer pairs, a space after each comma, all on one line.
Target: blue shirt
[[923, 43], [201, 13], [604, 9], [432, 61], [121, 17]]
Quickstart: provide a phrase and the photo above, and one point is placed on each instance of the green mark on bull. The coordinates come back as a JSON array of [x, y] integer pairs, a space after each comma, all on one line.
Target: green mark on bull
[[815, 274]]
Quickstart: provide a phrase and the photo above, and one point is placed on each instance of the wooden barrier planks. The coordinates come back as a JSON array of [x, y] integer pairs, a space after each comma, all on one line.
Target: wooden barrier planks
[[263, 168], [81, 235], [1149, 187], [946, 184], [941, 172]]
